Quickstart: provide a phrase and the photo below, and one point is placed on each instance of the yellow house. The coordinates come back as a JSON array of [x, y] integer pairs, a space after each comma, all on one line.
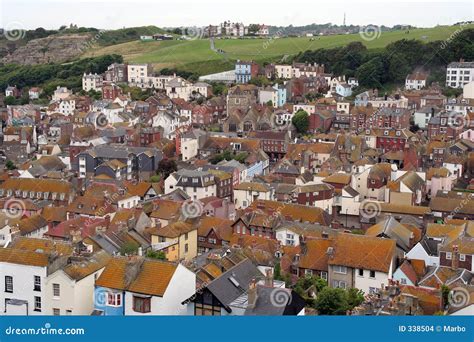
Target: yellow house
[[179, 238]]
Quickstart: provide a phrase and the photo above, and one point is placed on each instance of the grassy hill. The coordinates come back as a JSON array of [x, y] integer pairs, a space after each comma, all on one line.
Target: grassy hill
[[197, 56]]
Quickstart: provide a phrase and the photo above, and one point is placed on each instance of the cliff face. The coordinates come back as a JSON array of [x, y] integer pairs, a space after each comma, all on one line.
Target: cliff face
[[54, 49]]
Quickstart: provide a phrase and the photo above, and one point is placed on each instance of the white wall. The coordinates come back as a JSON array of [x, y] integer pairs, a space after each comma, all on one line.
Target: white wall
[[23, 284], [181, 287]]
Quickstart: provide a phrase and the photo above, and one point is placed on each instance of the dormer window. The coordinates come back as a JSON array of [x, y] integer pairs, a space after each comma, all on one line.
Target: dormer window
[[53, 195], [398, 133], [25, 194], [385, 132]]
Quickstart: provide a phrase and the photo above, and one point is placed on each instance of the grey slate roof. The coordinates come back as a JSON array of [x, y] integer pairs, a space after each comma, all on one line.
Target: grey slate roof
[[226, 290]]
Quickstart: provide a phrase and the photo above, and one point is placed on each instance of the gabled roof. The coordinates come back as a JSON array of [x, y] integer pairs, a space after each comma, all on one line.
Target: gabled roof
[[144, 276], [359, 251]]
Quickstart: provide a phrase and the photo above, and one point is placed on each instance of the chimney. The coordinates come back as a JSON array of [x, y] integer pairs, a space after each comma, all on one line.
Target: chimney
[[140, 251], [454, 259], [269, 278], [252, 294]]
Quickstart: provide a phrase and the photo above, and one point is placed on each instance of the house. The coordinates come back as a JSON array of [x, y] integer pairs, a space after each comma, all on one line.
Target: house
[[246, 193], [410, 272], [405, 235], [61, 93], [70, 289], [452, 204], [34, 93], [344, 89], [196, 183], [118, 161], [129, 286], [423, 116], [178, 240], [25, 267], [416, 81], [92, 82], [361, 261], [245, 71], [459, 73], [244, 291], [213, 233], [12, 91], [57, 191]]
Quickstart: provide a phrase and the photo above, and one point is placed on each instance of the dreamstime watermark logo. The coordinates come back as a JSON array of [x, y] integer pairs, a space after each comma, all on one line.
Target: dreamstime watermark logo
[[100, 298], [14, 208], [370, 32], [271, 40], [459, 297], [453, 36], [101, 120], [192, 208], [47, 329], [193, 32], [90, 43], [457, 120], [280, 297], [370, 209], [14, 31]]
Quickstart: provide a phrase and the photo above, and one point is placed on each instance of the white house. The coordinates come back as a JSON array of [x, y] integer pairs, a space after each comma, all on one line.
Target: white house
[[459, 73], [70, 290], [24, 269], [142, 293], [92, 82], [247, 192], [416, 81], [196, 183]]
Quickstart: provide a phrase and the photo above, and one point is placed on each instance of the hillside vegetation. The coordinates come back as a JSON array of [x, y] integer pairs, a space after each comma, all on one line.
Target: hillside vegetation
[[196, 55]]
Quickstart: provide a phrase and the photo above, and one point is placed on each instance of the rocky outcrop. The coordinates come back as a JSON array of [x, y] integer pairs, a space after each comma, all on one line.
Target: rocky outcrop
[[55, 49]]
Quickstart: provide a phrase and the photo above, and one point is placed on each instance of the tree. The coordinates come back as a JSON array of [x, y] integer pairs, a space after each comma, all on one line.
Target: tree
[[129, 248], [166, 167], [301, 121], [10, 165], [155, 179], [332, 301], [355, 297], [159, 255], [370, 74], [253, 28]]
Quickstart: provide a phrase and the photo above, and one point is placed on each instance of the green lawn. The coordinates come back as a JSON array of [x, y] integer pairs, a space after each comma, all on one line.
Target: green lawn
[[196, 55]]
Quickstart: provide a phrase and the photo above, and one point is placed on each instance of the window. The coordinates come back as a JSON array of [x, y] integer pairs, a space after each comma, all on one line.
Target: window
[[56, 312], [9, 284], [186, 236], [462, 257], [449, 255], [37, 283], [340, 269], [403, 281], [339, 284], [68, 312], [114, 299], [56, 291], [372, 274], [37, 303], [141, 304], [308, 272], [206, 310], [324, 275], [361, 272], [186, 248]]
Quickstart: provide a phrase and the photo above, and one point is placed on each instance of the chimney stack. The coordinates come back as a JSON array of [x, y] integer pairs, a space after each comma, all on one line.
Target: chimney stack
[[454, 258], [269, 278], [252, 294]]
